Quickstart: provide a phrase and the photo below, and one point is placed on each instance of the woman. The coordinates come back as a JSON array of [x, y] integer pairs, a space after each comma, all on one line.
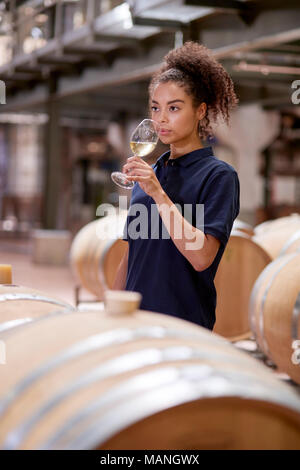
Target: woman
[[175, 274]]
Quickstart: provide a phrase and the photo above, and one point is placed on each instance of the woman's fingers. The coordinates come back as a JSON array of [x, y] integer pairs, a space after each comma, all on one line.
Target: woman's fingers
[[139, 172], [137, 178], [137, 163], [137, 159], [129, 167], [136, 168]]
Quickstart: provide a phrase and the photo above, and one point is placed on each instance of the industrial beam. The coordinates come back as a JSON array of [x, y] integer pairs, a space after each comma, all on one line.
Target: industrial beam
[[25, 99], [291, 49], [85, 53], [270, 57], [227, 4], [160, 23], [27, 69], [258, 43], [244, 5], [124, 69], [58, 60], [271, 29], [22, 76], [115, 38]]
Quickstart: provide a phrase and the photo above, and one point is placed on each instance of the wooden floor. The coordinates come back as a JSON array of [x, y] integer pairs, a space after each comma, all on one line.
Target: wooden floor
[[57, 281], [250, 347]]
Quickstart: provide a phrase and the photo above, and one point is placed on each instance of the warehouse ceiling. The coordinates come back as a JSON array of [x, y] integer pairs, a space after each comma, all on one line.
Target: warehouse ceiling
[[97, 56]]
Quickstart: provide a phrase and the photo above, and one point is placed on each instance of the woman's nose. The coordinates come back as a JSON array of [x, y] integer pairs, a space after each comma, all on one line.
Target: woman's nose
[[163, 117]]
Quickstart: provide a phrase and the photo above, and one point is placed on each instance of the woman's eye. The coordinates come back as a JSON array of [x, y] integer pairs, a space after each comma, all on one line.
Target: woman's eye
[[174, 108], [154, 108]]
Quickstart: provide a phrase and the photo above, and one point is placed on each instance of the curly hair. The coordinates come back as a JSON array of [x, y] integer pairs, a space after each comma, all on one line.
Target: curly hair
[[193, 67]]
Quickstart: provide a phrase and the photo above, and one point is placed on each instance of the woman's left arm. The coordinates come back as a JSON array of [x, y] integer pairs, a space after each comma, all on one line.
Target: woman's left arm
[[199, 249]]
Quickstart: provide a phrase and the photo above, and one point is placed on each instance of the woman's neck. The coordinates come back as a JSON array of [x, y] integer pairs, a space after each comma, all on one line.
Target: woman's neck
[[178, 151]]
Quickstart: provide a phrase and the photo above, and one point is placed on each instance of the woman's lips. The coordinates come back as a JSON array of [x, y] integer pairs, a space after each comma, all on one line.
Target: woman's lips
[[164, 131]]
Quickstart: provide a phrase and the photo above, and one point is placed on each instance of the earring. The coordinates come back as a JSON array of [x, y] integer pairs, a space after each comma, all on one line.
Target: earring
[[199, 128]]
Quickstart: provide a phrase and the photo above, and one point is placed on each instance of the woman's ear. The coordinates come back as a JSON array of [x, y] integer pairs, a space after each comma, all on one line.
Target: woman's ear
[[201, 111]]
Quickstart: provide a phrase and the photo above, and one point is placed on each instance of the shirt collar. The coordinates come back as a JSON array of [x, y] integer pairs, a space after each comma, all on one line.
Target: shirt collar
[[187, 159]]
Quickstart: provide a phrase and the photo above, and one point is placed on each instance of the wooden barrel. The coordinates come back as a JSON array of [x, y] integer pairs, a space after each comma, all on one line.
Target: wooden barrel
[[243, 227], [19, 304], [274, 311], [96, 252], [240, 266], [280, 238], [292, 244], [279, 223], [140, 381]]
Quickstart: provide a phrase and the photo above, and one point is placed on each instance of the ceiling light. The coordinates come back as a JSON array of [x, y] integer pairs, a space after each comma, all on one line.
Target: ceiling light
[[48, 3], [36, 33], [41, 18]]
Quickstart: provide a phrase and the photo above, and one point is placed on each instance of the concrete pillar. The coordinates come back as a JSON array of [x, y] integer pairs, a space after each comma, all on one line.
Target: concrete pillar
[[251, 130], [52, 166]]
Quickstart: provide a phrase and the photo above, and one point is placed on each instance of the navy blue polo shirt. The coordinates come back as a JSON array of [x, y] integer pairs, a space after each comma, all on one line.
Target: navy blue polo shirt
[[156, 268]]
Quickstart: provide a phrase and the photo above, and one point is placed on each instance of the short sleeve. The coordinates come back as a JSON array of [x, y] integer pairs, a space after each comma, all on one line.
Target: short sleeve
[[221, 199]]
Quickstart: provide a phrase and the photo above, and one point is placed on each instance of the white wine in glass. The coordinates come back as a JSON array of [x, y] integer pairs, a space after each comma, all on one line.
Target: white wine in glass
[[143, 141]]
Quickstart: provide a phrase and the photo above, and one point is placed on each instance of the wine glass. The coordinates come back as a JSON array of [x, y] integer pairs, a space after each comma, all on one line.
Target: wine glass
[[142, 142]]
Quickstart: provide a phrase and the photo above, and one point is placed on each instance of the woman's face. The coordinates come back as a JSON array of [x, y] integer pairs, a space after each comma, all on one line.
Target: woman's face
[[172, 108]]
